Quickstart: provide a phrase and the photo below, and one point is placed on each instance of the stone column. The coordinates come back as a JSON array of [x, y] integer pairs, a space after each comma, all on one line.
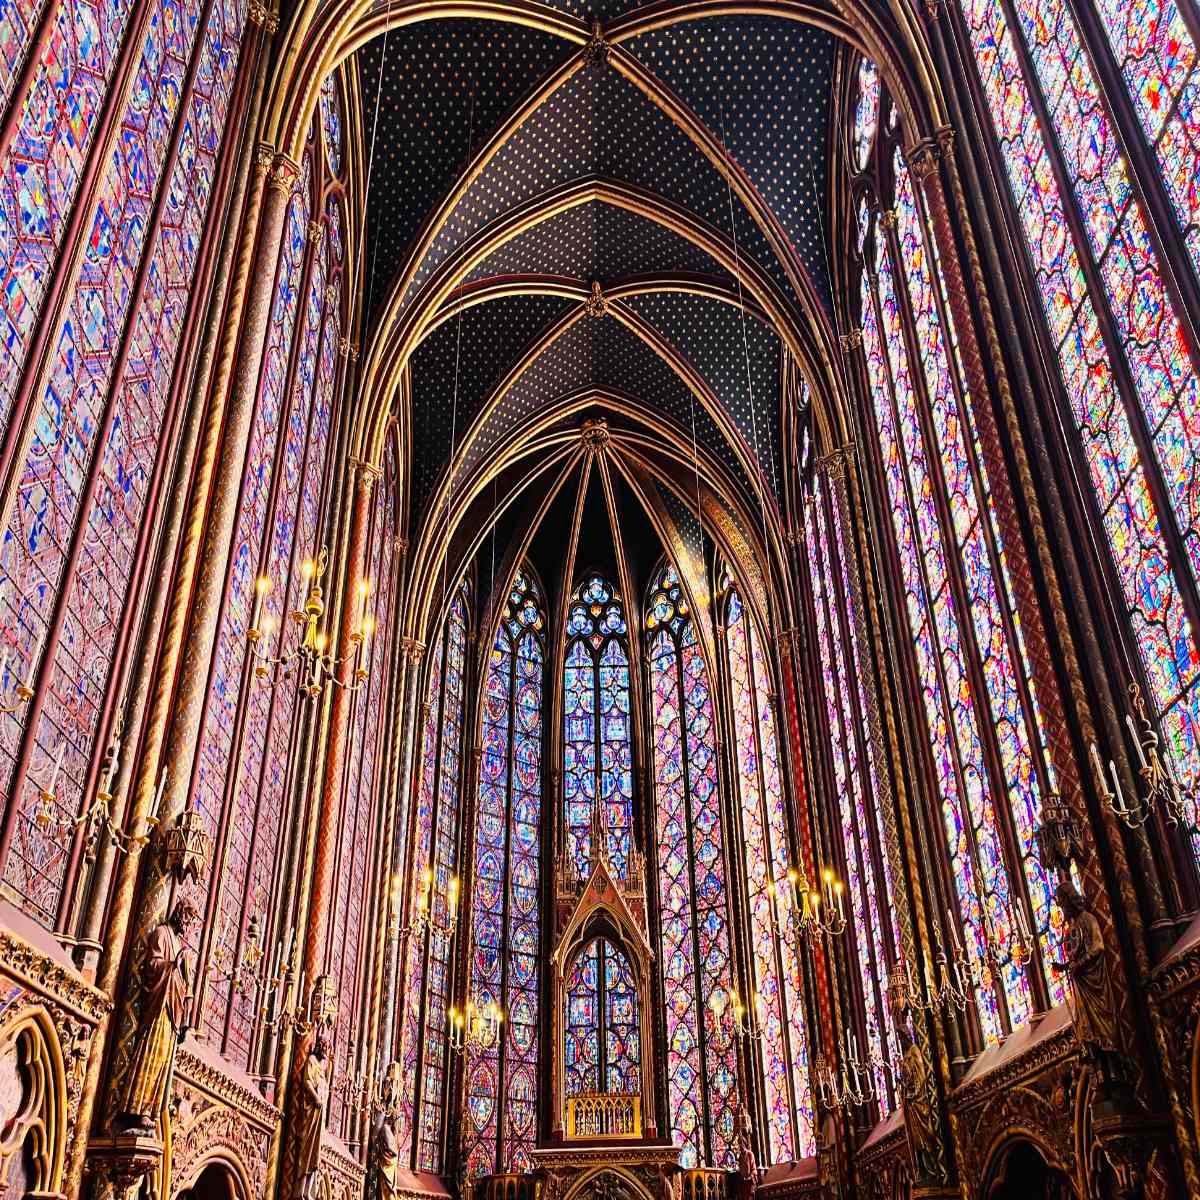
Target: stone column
[[323, 824]]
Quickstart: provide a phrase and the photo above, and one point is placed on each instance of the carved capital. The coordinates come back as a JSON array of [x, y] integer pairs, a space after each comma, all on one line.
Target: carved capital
[[833, 464], [264, 155], [283, 174], [887, 219], [923, 158], [412, 648], [851, 341], [258, 13]]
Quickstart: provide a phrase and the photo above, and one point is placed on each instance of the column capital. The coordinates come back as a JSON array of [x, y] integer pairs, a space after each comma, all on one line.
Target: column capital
[[923, 158], [283, 174], [851, 341]]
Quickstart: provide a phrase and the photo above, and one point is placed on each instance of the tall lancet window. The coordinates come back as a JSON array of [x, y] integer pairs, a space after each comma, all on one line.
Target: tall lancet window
[[981, 707], [859, 792], [423, 1042], [597, 757], [602, 1034], [102, 282], [692, 896], [778, 970], [1114, 256], [502, 1079]]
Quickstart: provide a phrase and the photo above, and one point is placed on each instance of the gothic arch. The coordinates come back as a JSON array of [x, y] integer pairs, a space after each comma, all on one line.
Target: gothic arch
[[38, 1127]]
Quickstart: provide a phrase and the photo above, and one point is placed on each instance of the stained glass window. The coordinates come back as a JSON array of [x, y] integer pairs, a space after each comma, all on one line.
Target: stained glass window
[[424, 1044], [1135, 402], [778, 971], [1155, 50], [857, 782], [597, 757], [502, 1080], [602, 1041], [331, 123], [350, 940], [693, 903], [97, 445]]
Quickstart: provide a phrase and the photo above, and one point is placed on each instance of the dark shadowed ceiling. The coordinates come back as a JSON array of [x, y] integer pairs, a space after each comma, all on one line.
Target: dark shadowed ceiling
[[673, 170]]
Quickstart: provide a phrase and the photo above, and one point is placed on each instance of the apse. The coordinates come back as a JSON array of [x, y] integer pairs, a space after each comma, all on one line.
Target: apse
[[599, 602]]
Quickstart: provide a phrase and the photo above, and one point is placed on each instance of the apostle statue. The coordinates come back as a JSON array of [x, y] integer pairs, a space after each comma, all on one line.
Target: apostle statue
[[387, 1136], [314, 1094], [747, 1167], [162, 1023], [1095, 1014]]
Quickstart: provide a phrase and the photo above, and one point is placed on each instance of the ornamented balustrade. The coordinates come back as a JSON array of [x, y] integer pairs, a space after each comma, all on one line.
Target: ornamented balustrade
[[604, 1115], [704, 1183]]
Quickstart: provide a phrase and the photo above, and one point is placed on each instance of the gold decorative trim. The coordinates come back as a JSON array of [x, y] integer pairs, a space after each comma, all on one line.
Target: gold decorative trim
[[42, 974], [851, 341], [222, 1087]]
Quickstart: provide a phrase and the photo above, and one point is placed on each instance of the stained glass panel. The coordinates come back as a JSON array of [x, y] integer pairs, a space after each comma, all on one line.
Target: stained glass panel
[[952, 780], [502, 1079], [97, 444], [1151, 337], [693, 914], [777, 969], [597, 754]]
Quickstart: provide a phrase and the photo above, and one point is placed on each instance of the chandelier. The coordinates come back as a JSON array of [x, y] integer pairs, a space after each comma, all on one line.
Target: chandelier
[[808, 912], [475, 1026], [311, 656]]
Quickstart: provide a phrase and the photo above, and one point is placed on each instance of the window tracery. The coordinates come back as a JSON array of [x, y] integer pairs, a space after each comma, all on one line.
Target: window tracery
[[693, 902], [598, 755], [502, 1080]]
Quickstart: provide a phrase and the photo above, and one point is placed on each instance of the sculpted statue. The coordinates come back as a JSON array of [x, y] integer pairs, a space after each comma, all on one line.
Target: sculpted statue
[[314, 1094], [387, 1136], [747, 1166], [920, 1117], [162, 1024], [1095, 1010], [917, 1090]]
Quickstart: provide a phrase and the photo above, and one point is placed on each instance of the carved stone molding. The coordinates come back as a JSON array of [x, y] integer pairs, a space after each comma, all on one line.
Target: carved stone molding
[[206, 1129], [56, 982], [219, 1085]]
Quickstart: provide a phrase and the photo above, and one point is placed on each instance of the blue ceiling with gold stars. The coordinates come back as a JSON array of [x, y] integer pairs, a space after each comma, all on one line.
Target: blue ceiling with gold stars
[[439, 91]]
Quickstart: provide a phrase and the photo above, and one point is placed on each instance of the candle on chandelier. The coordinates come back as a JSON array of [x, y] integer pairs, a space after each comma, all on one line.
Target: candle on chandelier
[[452, 897], [1137, 741], [262, 585], [62, 749]]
